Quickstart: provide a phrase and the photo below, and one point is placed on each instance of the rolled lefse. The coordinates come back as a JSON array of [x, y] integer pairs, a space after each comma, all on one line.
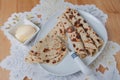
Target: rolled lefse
[[97, 40], [74, 37], [87, 41]]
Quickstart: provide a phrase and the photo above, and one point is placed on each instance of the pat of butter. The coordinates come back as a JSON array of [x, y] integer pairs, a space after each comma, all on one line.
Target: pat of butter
[[24, 32]]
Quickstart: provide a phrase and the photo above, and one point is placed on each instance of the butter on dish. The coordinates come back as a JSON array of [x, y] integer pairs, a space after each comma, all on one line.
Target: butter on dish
[[24, 32]]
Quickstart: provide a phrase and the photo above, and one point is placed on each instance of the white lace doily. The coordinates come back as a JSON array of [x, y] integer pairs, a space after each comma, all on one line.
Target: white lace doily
[[19, 68]]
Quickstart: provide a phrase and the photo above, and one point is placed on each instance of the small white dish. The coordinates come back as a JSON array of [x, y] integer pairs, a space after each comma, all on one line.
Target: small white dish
[[12, 31], [67, 66]]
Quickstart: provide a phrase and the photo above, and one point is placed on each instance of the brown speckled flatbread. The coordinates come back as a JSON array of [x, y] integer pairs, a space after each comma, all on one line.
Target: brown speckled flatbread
[[57, 59], [97, 40], [87, 41], [50, 49], [74, 37]]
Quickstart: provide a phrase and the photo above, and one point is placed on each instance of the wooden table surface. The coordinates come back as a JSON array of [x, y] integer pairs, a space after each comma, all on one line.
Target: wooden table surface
[[7, 7]]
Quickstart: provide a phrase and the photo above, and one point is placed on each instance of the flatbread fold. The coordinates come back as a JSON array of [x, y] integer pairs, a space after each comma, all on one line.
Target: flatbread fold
[[50, 49], [97, 40], [87, 41], [74, 37]]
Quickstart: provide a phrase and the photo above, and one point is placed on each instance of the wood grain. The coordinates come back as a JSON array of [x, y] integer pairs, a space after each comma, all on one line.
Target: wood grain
[[7, 7]]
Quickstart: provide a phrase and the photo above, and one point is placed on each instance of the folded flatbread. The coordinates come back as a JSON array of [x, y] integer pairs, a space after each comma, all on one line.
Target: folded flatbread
[[97, 40], [74, 37], [87, 41], [50, 49]]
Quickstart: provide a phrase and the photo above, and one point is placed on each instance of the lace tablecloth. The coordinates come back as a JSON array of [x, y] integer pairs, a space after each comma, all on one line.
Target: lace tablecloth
[[39, 15]]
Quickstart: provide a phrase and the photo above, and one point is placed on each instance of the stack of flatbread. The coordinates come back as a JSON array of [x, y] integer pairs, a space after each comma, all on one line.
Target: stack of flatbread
[[90, 40], [52, 50]]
